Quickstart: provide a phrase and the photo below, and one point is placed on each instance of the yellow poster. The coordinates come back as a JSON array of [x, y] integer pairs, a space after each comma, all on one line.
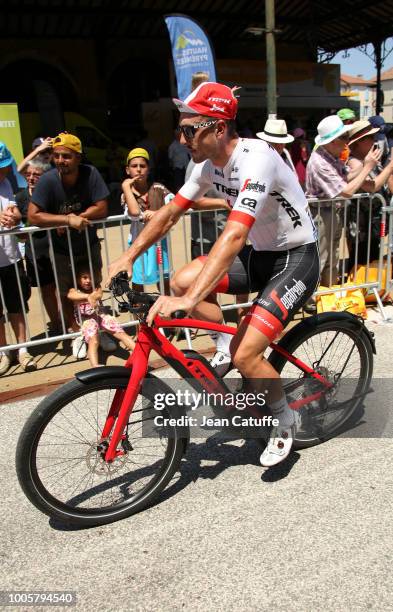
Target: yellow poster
[[10, 130]]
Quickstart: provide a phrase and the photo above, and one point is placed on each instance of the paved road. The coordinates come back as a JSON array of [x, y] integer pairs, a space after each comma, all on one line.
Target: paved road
[[316, 535]]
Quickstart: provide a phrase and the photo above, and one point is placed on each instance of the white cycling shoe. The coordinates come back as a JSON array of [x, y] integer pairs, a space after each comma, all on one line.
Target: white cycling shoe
[[222, 363], [279, 444]]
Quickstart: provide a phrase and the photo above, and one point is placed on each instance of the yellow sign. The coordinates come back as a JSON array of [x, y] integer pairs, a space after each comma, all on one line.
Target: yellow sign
[[10, 130]]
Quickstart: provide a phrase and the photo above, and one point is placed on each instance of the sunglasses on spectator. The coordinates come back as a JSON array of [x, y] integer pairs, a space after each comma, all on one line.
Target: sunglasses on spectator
[[189, 131]]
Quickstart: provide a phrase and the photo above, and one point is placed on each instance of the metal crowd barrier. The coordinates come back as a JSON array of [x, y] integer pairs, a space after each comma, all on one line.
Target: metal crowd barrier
[[365, 214], [179, 241]]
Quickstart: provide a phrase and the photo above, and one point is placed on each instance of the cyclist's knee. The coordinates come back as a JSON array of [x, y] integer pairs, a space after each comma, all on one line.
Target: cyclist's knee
[[177, 284], [184, 278], [242, 359]]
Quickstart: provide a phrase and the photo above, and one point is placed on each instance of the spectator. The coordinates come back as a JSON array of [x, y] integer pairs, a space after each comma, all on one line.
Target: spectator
[[380, 137], [6, 159], [379, 180], [70, 195], [14, 295], [300, 153], [347, 115], [276, 134], [88, 306], [326, 179], [198, 78], [33, 171], [41, 151], [142, 199], [178, 157], [150, 146]]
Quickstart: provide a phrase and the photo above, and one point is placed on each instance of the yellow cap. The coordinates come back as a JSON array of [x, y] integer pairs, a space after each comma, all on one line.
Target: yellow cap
[[67, 140], [138, 152]]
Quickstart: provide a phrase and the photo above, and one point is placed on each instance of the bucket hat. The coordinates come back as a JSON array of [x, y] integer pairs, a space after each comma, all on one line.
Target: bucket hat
[[329, 129]]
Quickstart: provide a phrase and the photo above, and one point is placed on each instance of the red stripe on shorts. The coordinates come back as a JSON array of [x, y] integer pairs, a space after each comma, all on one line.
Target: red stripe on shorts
[[241, 218], [277, 301], [264, 321], [182, 202]]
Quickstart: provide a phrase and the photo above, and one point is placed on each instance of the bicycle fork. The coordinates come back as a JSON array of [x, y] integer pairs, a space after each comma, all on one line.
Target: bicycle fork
[[124, 400]]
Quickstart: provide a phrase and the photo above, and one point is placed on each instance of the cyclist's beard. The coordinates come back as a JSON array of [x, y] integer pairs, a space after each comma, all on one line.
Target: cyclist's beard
[[198, 156]]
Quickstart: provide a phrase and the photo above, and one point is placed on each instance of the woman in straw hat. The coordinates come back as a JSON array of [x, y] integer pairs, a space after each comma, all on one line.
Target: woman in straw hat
[[379, 180]]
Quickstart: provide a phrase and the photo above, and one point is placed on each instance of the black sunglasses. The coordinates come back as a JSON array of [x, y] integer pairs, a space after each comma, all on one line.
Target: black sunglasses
[[189, 131]]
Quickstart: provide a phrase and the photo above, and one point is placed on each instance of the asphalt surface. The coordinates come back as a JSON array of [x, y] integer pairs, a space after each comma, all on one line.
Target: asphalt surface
[[314, 534]]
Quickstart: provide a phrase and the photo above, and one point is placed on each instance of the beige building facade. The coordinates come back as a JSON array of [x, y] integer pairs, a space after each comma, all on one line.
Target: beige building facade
[[357, 89]]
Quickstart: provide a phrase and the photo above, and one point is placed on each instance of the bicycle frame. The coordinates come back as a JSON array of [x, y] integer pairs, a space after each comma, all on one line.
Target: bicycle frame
[[149, 339]]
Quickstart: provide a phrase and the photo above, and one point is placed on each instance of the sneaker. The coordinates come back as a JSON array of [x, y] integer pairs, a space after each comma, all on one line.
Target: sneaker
[[107, 343], [27, 362], [279, 444], [79, 348], [5, 363], [222, 363]]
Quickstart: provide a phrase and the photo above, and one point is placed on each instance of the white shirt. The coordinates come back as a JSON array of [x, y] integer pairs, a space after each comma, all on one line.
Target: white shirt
[[263, 193], [9, 249]]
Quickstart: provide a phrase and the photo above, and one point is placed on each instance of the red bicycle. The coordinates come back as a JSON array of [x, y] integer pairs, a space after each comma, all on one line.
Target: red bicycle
[[92, 452]]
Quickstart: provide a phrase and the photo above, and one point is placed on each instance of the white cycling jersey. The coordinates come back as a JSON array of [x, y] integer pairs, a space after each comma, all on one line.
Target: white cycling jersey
[[263, 192]]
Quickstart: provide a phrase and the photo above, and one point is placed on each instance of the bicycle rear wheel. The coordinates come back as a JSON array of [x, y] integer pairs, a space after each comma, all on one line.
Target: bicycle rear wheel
[[59, 458], [339, 350]]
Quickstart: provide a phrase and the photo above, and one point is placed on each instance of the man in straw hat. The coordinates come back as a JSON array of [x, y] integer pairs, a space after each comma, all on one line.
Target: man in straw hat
[[275, 133], [326, 179], [268, 208]]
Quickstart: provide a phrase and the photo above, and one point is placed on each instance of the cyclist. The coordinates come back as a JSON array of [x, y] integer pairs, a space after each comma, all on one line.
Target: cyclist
[[281, 263]]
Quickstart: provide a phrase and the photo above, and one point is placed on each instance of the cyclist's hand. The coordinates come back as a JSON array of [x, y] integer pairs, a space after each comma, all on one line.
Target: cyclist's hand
[[119, 265], [166, 305]]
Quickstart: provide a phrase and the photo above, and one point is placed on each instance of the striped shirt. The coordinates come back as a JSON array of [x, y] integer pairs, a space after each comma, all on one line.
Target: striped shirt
[[325, 175]]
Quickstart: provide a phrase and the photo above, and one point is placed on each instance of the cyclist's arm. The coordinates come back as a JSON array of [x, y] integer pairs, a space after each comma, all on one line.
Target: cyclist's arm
[[210, 204], [162, 221], [159, 225], [218, 262]]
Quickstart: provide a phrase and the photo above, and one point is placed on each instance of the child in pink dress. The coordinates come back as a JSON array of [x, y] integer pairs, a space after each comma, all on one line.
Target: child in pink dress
[[88, 302]]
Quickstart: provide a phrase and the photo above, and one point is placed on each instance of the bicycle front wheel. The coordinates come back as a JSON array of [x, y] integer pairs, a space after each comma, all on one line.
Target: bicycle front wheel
[[59, 457], [341, 352]]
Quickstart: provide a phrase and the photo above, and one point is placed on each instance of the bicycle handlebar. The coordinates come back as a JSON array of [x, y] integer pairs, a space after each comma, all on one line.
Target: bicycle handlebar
[[137, 302]]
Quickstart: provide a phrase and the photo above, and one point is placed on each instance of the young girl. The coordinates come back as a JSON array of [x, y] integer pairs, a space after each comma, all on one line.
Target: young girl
[[142, 199], [88, 302]]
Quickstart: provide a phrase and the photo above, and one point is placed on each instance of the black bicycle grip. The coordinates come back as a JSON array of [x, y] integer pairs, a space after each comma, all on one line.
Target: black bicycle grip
[[179, 314]]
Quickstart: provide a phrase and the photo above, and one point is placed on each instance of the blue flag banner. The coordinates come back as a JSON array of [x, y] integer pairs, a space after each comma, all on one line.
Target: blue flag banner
[[191, 52]]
